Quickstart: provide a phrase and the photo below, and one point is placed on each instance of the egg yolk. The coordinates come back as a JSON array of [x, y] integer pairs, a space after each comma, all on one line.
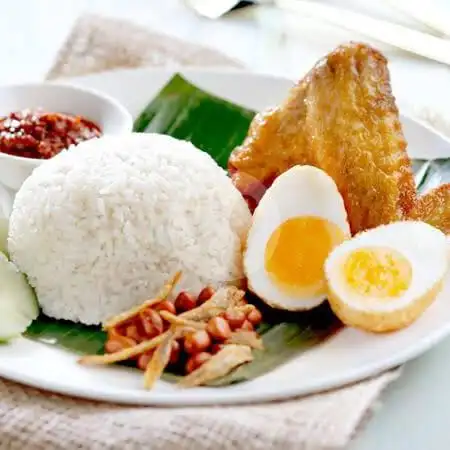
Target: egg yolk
[[378, 272], [296, 251]]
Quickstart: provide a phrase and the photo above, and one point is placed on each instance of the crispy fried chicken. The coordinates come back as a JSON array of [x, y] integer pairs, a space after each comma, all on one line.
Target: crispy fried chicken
[[342, 118], [434, 208]]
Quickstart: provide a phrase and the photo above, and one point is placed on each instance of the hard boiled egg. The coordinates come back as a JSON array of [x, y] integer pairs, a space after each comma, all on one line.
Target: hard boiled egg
[[297, 223], [383, 279]]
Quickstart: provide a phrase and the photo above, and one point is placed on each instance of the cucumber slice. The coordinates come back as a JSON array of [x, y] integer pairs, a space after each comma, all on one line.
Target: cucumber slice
[[18, 304], [4, 225]]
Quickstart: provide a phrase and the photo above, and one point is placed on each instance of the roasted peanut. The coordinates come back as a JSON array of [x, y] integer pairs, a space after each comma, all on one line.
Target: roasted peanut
[[175, 353], [152, 323], [205, 294], [144, 359], [195, 361], [166, 305], [246, 326], [119, 330], [197, 342], [218, 328], [133, 332], [234, 318], [113, 346], [185, 302], [254, 317], [118, 343], [124, 341]]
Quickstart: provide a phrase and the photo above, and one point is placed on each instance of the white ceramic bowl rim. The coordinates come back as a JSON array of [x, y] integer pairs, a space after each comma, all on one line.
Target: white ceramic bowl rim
[[115, 104]]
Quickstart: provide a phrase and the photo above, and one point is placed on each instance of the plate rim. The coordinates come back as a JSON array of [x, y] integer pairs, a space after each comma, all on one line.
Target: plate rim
[[269, 393], [218, 70]]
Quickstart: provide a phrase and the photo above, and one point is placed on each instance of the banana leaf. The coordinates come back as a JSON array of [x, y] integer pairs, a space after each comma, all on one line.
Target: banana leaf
[[76, 337], [285, 335], [186, 112], [431, 174]]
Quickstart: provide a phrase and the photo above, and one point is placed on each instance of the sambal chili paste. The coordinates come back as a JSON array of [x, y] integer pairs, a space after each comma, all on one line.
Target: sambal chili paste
[[41, 135]]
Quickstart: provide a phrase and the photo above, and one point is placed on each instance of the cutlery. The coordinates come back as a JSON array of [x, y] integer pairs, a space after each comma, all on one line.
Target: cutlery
[[213, 9], [424, 12], [405, 38], [400, 36]]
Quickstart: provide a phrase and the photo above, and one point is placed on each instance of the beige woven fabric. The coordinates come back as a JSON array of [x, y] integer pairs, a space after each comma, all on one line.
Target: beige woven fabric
[[35, 420], [97, 44]]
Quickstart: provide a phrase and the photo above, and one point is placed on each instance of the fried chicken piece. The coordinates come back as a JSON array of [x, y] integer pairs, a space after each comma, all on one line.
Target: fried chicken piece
[[434, 208], [342, 118]]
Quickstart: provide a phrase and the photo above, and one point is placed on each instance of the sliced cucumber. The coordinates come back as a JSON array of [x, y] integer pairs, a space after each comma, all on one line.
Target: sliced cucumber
[[4, 225], [18, 304]]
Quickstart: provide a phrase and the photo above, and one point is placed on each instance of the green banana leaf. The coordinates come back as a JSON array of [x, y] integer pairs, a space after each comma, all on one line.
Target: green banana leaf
[[286, 335], [186, 112], [79, 338], [431, 174]]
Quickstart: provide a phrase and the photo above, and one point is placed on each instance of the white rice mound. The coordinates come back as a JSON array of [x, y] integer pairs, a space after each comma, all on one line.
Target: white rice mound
[[100, 228]]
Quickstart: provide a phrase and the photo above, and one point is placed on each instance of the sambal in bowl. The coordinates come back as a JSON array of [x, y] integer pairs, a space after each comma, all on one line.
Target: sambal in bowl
[[39, 120]]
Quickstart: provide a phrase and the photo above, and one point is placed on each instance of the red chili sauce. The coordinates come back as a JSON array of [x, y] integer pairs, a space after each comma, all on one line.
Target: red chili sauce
[[41, 135]]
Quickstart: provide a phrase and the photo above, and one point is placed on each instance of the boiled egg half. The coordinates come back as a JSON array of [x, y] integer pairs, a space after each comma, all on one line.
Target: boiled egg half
[[384, 279], [296, 225]]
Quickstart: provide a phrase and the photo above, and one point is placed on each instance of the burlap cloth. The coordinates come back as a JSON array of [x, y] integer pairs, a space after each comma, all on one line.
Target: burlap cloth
[[32, 419]]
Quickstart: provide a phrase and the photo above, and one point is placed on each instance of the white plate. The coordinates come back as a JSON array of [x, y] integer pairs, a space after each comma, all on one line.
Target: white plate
[[348, 356]]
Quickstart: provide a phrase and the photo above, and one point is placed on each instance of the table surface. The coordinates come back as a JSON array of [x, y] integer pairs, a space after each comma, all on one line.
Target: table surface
[[413, 412]]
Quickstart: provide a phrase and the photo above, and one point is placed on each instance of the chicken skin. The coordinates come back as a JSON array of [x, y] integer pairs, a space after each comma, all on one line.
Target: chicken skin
[[434, 208], [341, 118]]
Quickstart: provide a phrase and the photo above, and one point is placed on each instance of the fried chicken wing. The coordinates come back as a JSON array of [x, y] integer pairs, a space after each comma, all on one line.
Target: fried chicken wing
[[434, 208], [342, 118]]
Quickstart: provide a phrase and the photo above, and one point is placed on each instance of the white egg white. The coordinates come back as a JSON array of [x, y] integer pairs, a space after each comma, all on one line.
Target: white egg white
[[424, 247], [301, 191]]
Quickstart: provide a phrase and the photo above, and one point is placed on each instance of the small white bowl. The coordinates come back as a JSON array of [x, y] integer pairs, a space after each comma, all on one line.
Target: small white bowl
[[104, 111]]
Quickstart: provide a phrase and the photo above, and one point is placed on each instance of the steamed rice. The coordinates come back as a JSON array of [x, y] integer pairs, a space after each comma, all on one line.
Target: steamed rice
[[100, 228]]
